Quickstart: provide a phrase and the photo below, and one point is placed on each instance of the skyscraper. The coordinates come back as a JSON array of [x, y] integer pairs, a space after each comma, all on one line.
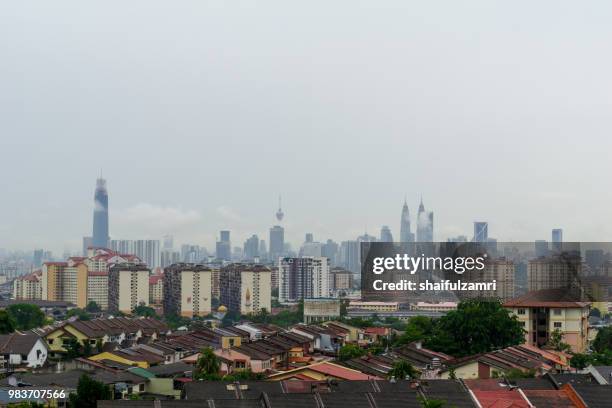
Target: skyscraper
[[277, 242], [557, 239], [405, 234], [424, 224], [251, 247], [303, 278], [481, 231], [385, 234], [100, 219], [224, 246]]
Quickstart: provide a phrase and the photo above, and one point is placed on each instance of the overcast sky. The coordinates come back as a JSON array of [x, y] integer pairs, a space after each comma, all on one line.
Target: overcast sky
[[201, 113]]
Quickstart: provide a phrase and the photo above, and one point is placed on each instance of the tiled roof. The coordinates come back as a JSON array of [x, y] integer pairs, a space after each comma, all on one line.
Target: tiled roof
[[558, 298]]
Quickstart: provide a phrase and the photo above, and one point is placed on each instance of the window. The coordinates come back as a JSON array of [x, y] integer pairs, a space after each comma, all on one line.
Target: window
[[557, 312], [522, 324], [558, 325], [520, 311]]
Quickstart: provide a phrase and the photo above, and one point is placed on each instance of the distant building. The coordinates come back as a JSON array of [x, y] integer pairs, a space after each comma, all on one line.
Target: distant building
[[554, 272], [251, 248], [425, 224], [128, 287], [300, 278], [187, 290], [277, 242], [374, 306], [148, 251], [156, 289], [541, 248], [122, 246], [321, 310], [481, 231], [330, 251], [557, 239], [100, 235], [500, 270], [350, 256], [246, 288], [340, 280], [435, 307], [405, 234], [385, 234], [224, 246], [28, 287]]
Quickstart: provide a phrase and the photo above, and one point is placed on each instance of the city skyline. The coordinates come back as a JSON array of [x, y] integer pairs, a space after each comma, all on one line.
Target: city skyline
[[200, 126]]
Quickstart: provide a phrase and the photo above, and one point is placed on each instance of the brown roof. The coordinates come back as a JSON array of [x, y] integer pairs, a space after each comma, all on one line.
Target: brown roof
[[559, 298], [18, 343]]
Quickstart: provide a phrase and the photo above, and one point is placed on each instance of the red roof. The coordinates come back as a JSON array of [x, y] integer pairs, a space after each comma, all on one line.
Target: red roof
[[340, 372], [501, 399], [380, 331], [153, 279], [559, 298]]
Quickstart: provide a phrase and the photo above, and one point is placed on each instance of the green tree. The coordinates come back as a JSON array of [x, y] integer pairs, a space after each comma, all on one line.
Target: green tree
[[26, 316], [431, 403], [78, 313], [73, 348], [476, 326], [207, 366], [93, 307], [144, 311], [350, 351], [515, 373], [403, 369], [556, 341], [7, 323], [580, 361], [89, 392], [418, 328], [603, 340]]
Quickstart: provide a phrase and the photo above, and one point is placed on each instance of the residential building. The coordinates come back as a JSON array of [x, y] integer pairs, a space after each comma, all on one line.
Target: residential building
[[374, 306], [28, 287], [22, 350], [65, 281], [300, 278], [128, 287], [187, 290], [246, 288], [544, 311], [435, 307], [340, 280], [97, 288], [156, 289]]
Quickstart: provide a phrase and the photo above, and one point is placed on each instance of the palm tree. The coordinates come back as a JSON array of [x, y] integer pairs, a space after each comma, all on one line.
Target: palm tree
[[207, 365]]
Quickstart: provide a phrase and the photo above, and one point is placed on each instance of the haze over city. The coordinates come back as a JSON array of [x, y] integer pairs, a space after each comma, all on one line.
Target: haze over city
[[199, 125]]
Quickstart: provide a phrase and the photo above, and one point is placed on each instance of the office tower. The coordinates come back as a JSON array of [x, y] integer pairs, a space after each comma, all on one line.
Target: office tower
[[37, 258], [251, 247], [100, 220], [246, 288], [122, 246], [349, 256], [169, 257], [424, 224], [168, 242], [148, 251], [97, 288], [65, 281], [192, 253], [481, 231], [385, 234], [557, 239], [128, 287], [187, 290], [87, 242], [311, 249], [300, 278], [405, 234], [458, 238], [224, 246], [309, 237], [263, 250], [541, 248], [277, 242], [330, 251]]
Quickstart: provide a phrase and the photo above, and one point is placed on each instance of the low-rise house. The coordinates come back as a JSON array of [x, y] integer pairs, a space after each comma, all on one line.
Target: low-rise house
[[322, 371], [325, 340], [22, 350]]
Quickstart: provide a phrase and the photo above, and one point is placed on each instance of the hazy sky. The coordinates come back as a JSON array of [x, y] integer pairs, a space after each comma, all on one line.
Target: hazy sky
[[201, 113]]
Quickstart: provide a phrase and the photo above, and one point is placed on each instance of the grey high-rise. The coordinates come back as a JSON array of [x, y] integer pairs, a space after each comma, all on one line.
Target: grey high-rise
[[100, 219], [481, 231], [424, 224], [405, 234], [277, 242]]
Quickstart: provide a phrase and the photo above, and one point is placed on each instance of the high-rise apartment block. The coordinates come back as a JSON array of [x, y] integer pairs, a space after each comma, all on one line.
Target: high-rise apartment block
[[128, 287], [300, 278], [246, 288], [65, 281], [187, 290]]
